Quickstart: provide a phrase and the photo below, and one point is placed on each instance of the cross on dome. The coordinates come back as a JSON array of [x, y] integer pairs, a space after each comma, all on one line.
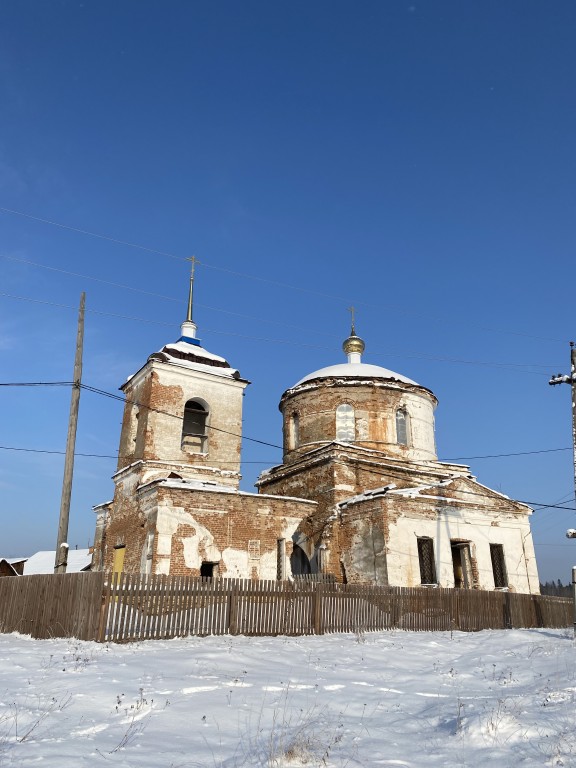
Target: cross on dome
[[353, 346]]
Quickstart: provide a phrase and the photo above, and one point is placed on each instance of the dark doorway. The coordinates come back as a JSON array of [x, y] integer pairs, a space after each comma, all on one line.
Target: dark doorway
[[462, 565], [299, 562], [207, 570]]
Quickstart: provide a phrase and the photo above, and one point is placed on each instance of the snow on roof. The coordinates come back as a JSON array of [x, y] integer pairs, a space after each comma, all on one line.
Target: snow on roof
[[192, 355], [196, 349], [213, 487], [368, 494], [43, 562], [355, 370]]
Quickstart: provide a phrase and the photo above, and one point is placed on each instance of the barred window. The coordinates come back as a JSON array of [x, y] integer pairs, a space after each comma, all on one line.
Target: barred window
[[426, 560], [498, 566]]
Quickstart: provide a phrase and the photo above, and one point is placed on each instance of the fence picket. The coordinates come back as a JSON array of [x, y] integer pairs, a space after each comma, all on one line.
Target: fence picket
[[124, 607]]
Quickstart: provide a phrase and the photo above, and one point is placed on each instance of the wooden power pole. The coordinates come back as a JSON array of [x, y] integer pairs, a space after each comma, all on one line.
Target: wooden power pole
[[62, 544]]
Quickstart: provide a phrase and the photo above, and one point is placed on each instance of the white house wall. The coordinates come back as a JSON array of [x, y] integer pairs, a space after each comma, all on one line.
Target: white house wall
[[477, 528]]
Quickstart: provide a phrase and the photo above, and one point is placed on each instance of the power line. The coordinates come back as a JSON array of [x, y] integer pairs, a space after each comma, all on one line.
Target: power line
[[122, 286], [107, 455], [121, 399], [408, 355], [36, 384], [41, 450], [92, 234], [174, 415], [91, 311], [538, 504], [502, 455], [440, 483], [258, 278], [273, 445], [90, 277]]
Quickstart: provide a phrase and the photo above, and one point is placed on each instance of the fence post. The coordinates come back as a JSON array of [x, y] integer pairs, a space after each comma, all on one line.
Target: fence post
[[507, 611], [574, 595], [317, 608], [233, 611]]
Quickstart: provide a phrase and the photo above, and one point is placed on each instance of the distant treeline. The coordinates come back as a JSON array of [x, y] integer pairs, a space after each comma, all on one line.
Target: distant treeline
[[556, 589]]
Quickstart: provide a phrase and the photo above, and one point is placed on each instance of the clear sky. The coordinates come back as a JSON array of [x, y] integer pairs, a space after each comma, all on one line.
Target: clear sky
[[416, 160]]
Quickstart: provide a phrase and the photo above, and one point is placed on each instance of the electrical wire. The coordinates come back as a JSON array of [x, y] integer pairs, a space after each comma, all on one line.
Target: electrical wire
[[110, 456], [261, 339], [260, 278], [121, 399], [91, 277], [93, 234], [537, 504], [502, 455], [174, 415], [36, 384], [62, 453]]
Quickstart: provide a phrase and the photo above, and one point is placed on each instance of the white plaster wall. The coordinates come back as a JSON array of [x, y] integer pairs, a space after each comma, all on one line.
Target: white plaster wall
[[513, 534], [421, 414], [223, 396], [237, 563]]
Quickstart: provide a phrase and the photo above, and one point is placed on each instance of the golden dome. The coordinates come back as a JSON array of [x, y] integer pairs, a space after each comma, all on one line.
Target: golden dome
[[353, 344]]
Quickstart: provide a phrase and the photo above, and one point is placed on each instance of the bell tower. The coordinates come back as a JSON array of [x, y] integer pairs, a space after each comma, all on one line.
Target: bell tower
[[183, 414]]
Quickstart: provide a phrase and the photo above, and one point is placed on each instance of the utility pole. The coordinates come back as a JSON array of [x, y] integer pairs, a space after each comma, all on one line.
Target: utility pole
[[61, 560], [571, 379]]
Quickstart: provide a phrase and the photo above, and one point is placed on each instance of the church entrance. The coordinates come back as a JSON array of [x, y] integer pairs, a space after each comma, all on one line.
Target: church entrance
[[299, 562], [462, 564]]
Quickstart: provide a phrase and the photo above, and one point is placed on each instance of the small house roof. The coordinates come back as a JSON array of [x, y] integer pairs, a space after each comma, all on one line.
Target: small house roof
[[43, 562]]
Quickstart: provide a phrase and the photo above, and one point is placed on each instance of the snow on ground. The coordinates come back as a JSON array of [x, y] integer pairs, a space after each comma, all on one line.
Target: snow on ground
[[384, 699]]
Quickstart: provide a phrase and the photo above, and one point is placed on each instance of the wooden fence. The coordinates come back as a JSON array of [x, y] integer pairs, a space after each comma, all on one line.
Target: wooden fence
[[97, 606], [58, 605]]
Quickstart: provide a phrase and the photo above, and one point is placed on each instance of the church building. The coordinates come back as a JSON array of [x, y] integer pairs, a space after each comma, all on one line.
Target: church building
[[177, 506], [360, 496], [359, 440]]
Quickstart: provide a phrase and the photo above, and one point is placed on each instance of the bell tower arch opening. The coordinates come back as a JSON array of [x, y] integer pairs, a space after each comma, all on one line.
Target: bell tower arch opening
[[195, 426]]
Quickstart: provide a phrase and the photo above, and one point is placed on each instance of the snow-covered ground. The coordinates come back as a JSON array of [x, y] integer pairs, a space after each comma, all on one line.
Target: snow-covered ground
[[495, 699]]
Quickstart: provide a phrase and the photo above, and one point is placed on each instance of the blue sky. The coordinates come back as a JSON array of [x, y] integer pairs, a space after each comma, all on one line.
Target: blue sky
[[414, 160]]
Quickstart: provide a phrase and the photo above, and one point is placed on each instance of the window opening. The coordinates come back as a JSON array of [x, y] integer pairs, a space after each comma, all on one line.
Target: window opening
[[194, 428], [294, 437], [208, 570], [134, 427], [345, 424], [254, 549], [402, 427], [498, 566], [281, 559], [462, 564], [426, 560]]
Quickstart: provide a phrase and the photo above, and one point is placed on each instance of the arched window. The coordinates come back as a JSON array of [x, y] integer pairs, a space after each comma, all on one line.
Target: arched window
[[194, 427], [345, 424], [294, 431], [402, 427]]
